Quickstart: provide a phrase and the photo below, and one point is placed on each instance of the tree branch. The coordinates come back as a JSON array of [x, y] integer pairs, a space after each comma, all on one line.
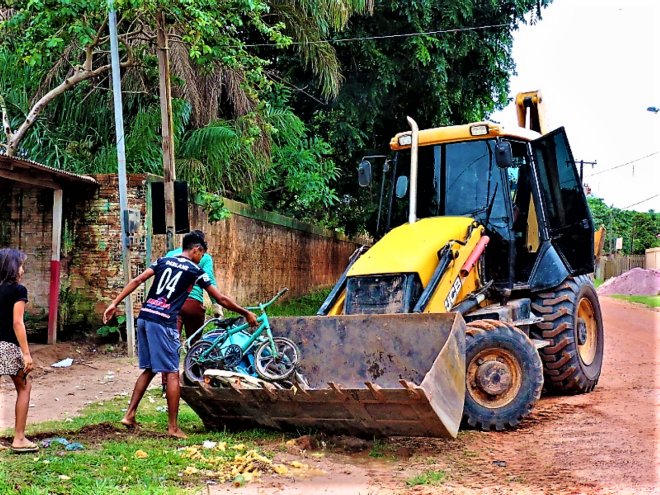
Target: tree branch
[[5, 121], [89, 49], [68, 83]]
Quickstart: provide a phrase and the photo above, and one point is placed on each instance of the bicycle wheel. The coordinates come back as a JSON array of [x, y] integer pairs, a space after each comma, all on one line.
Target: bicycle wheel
[[274, 368], [193, 370]]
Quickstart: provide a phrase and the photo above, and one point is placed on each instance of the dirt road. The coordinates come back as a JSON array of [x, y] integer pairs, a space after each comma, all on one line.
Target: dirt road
[[58, 393], [597, 444]]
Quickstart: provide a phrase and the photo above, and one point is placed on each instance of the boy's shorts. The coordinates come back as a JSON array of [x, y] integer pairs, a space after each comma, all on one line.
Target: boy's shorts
[[158, 347]]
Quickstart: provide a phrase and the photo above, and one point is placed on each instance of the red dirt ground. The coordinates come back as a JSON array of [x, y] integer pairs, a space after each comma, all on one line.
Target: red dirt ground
[[601, 443]]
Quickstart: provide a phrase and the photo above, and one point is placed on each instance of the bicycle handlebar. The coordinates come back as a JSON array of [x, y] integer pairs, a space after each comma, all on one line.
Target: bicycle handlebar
[[263, 306]]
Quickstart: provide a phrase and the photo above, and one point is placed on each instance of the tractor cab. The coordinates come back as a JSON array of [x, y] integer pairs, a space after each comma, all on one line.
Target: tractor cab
[[523, 188]]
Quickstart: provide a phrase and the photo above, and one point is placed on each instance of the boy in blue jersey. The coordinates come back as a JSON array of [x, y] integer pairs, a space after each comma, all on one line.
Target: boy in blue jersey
[[157, 334], [193, 313]]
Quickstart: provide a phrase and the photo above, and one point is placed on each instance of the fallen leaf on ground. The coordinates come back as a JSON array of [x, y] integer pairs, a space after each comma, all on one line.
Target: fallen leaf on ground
[[141, 454]]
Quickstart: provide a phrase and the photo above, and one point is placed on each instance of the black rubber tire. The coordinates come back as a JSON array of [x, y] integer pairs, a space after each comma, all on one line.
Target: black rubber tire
[[566, 369], [277, 372], [193, 372], [493, 341]]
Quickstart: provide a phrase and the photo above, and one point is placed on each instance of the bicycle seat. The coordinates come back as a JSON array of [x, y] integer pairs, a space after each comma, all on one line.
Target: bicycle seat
[[229, 322]]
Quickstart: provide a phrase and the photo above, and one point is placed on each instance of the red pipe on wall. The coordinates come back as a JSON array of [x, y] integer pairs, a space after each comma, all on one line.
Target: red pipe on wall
[[474, 256]]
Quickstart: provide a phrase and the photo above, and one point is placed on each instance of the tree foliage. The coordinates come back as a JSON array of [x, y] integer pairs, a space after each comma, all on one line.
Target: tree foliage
[[266, 110], [638, 230], [459, 74], [70, 42], [65, 101]]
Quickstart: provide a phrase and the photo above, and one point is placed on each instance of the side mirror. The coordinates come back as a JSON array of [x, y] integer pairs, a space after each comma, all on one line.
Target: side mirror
[[503, 154], [364, 173], [401, 186]]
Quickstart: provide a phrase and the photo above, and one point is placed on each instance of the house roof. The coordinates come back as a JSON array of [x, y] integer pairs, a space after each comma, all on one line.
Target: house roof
[[30, 172]]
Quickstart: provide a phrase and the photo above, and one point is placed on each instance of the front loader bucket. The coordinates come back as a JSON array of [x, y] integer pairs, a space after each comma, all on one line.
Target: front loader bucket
[[375, 375]]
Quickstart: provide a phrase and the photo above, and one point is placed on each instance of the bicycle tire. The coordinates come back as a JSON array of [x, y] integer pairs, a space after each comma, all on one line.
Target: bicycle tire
[[193, 371], [272, 369]]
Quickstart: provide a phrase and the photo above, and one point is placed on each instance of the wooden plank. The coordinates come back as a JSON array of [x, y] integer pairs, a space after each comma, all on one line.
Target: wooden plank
[[56, 245], [27, 178], [167, 127]]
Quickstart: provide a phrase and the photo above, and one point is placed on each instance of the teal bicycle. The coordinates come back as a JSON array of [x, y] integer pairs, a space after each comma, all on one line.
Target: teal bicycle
[[232, 346]]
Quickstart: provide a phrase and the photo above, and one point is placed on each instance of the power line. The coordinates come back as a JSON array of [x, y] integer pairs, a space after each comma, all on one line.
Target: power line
[[640, 202], [286, 83], [382, 37], [627, 163]]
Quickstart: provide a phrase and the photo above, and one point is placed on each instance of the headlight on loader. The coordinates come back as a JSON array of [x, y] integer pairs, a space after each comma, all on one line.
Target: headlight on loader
[[479, 130]]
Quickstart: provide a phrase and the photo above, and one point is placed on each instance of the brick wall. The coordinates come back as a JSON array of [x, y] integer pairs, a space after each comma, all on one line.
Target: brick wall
[[26, 217], [94, 274], [255, 252]]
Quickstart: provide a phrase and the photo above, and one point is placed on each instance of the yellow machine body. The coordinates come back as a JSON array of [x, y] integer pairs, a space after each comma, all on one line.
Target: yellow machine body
[[413, 248], [399, 368]]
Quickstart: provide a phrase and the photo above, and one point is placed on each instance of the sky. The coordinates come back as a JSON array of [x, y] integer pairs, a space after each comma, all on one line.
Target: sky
[[597, 65]]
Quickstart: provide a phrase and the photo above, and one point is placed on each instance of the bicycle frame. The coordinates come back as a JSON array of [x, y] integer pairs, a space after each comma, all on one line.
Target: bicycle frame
[[186, 344], [223, 337]]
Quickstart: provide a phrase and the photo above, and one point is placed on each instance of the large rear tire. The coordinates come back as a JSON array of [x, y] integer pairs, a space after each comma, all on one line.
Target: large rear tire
[[573, 324], [504, 375]]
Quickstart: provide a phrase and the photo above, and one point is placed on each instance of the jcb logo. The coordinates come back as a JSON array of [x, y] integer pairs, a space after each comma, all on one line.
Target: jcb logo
[[453, 293]]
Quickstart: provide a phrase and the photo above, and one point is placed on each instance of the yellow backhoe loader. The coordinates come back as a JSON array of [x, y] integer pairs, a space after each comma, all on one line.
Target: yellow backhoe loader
[[476, 297]]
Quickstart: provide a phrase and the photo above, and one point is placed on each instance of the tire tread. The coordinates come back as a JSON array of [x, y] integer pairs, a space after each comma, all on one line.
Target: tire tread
[[561, 360]]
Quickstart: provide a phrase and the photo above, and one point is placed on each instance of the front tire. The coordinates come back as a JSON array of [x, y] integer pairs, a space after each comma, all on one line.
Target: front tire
[[193, 371], [504, 375], [271, 368], [573, 324]]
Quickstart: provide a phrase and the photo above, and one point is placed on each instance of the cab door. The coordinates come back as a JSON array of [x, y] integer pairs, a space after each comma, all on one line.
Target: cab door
[[569, 225]]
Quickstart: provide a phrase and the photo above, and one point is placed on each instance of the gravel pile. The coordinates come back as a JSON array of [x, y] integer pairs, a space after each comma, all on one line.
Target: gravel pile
[[637, 282]]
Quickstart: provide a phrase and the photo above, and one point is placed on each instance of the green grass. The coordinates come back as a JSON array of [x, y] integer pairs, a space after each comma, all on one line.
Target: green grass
[[598, 282], [306, 305], [650, 301], [109, 466], [378, 449], [427, 478]]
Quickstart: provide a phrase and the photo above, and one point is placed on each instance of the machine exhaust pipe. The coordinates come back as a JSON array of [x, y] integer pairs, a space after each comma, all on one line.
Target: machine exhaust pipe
[[412, 212]]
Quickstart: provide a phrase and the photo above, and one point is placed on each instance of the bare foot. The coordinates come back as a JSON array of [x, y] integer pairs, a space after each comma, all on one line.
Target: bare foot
[[178, 433], [131, 424]]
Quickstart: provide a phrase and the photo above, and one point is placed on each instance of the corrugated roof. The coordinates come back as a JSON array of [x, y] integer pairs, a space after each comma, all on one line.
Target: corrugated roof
[[50, 172]]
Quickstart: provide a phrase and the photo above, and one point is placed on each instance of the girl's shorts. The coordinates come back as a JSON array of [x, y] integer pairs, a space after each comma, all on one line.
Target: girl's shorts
[[11, 359]]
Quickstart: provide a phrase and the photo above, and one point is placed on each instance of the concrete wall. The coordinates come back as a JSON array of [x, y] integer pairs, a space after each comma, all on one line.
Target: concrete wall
[[653, 259]]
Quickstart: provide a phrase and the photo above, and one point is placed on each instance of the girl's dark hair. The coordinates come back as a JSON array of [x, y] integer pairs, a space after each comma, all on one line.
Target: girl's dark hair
[[11, 261]]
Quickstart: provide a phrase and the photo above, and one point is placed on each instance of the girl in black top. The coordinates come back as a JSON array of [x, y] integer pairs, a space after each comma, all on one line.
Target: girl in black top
[[15, 359]]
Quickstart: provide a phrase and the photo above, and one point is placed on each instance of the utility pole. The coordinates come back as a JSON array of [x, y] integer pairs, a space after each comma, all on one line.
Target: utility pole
[[582, 164], [121, 162], [167, 128]]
